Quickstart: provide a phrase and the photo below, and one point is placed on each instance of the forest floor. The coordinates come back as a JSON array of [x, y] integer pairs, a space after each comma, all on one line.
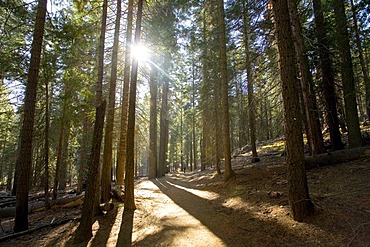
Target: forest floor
[[200, 209]]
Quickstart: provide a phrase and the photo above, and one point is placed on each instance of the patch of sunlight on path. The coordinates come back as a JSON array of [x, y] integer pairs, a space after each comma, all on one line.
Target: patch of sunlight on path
[[159, 221], [208, 195]]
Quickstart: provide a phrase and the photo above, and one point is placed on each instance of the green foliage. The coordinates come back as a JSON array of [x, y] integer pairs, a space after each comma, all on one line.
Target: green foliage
[[15, 26], [8, 134]]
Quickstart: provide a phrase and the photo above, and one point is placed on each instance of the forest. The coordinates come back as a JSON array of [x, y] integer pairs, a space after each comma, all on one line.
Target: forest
[[184, 123]]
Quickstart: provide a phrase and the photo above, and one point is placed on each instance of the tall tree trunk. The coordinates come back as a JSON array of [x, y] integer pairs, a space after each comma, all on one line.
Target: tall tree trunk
[[299, 199], [108, 138], [364, 66], [348, 80], [250, 85], [218, 152], [164, 123], [84, 230], [25, 149], [2, 158], [190, 151], [205, 98], [194, 137], [194, 144], [309, 97], [153, 124], [327, 82], [2, 161], [129, 177], [182, 165], [224, 91], [242, 125], [64, 159], [81, 169], [9, 177], [46, 146], [121, 155], [217, 127], [59, 152]]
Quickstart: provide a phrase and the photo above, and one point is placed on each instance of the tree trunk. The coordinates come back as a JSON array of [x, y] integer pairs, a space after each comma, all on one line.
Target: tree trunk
[[25, 149], [9, 177], [250, 85], [348, 80], [299, 199], [108, 138], [190, 150], [182, 165], [224, 91], [164, 124], [364, 66], [81, 169], [218, 148], [204, 103], [153, 124], [46, 146], [64, 159], [242, 123], [121, 155], [309, 97], [337, 157], [59, 153], [327, 82], [84, 231], [2, 160], [218, 131], [129, 177], [194, 137]]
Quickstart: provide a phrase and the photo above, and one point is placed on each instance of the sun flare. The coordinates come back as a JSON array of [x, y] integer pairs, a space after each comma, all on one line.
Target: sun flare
[[140, 52]]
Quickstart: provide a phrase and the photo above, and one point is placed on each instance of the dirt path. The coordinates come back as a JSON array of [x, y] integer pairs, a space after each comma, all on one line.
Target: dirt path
[[173, 212], [175, 216]]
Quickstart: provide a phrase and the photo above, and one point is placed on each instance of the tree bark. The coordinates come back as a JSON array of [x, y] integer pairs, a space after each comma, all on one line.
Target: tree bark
[[59, 152], [108, 138], [81, 169], [194, 137], [336, 157], [327, 81], [224, 92], [46, 146], [121, 155], [309, 97], [153, 124], [364, 66], [25, 148], [129, 177], [84, 230], [164, 123], [348, 80], [250, 85], [64, 159], [91, 202], [298, 195], [205, 99]]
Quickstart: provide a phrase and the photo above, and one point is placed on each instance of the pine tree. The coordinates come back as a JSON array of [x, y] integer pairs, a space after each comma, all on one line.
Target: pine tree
[[299, 199], [25, 147]]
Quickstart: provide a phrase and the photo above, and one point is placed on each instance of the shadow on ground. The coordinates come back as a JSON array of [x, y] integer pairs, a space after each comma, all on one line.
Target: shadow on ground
[[234, 228]]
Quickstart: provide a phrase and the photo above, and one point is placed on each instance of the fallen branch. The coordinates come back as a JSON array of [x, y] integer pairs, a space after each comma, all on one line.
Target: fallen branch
[[53, 224], [356, 231], [40, 205], [337, 157]]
